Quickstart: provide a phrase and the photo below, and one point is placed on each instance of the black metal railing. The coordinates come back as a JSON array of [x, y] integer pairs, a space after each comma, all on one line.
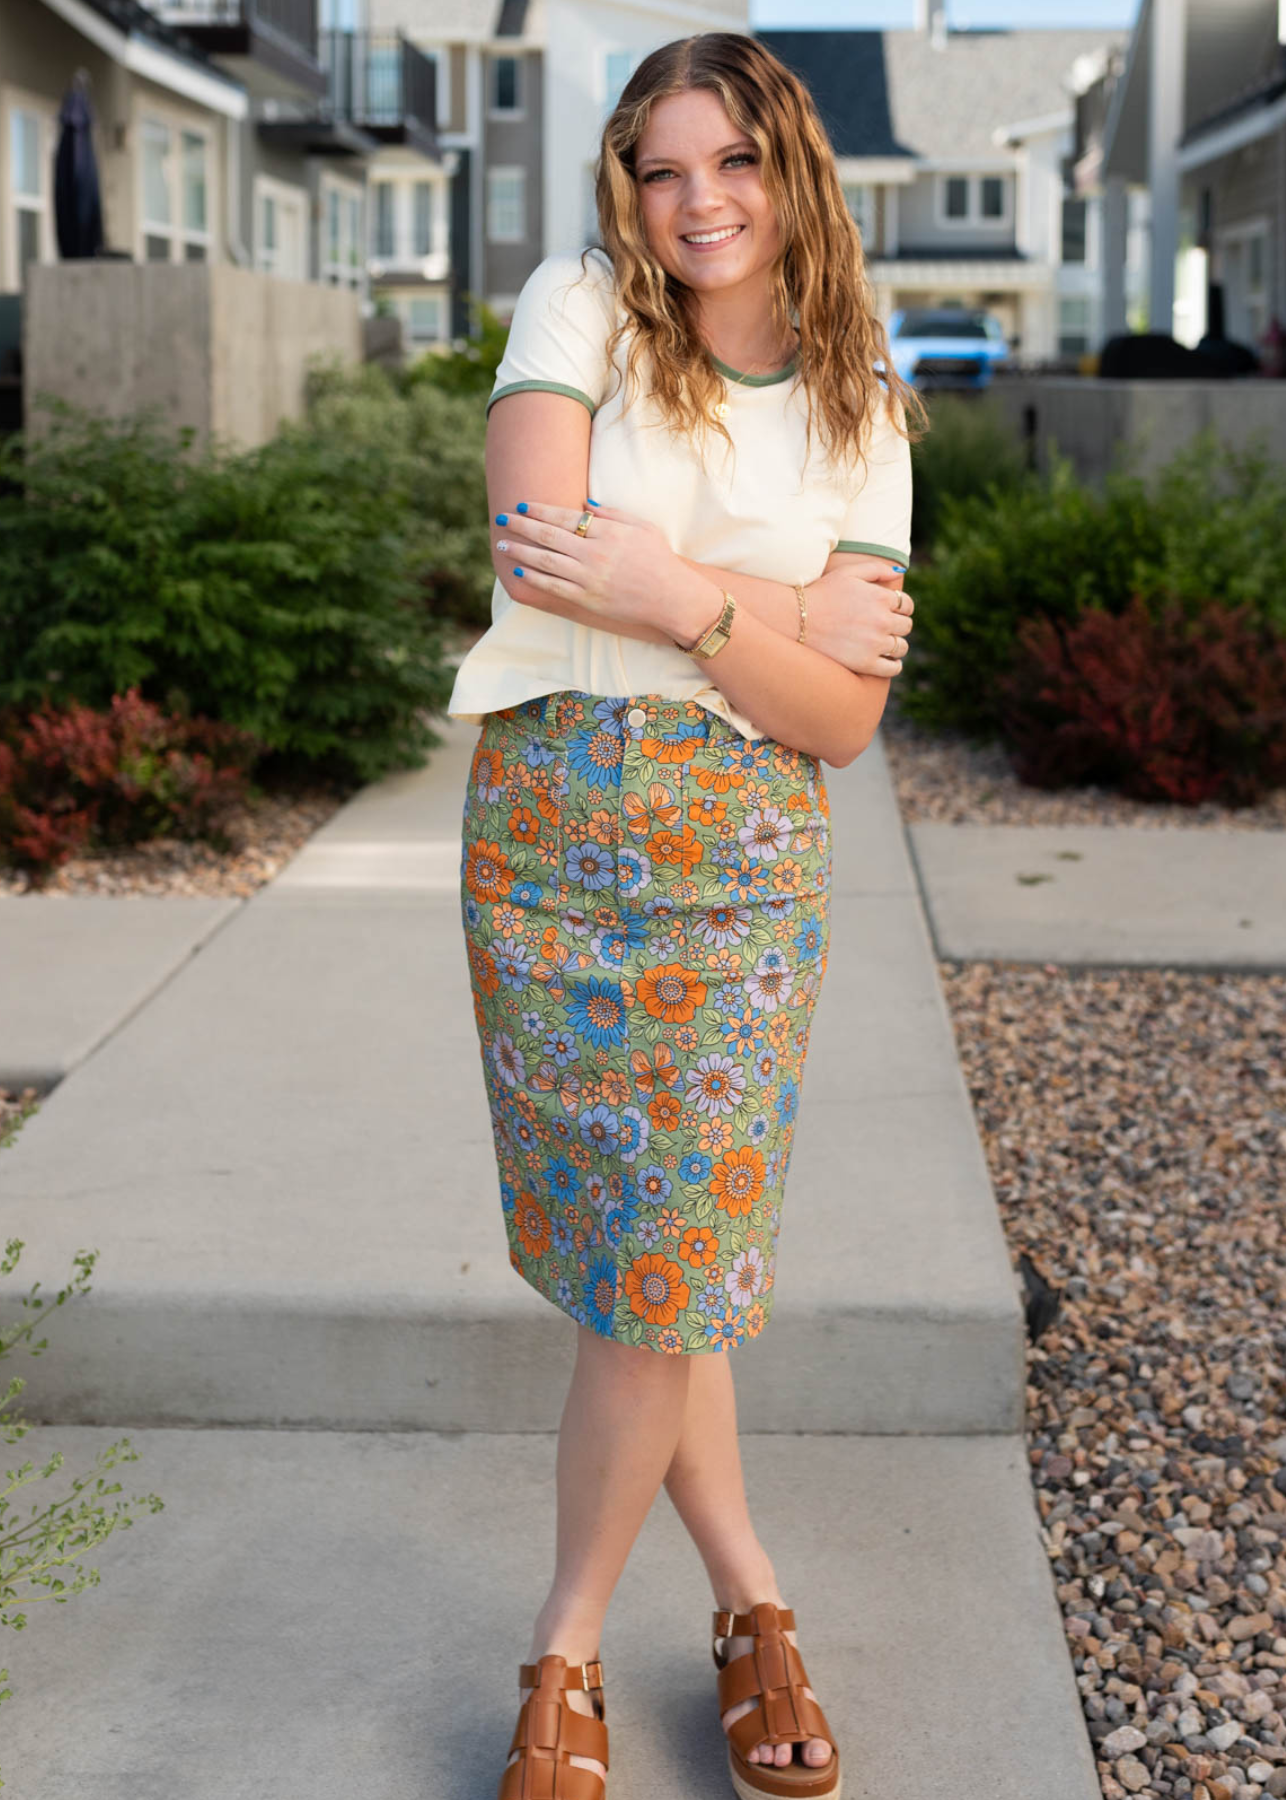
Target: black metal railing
[[294, 20], [379, 79]]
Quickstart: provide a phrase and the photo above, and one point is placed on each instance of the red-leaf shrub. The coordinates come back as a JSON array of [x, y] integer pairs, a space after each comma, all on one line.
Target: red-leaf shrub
[[72, 779], [1181, 704]]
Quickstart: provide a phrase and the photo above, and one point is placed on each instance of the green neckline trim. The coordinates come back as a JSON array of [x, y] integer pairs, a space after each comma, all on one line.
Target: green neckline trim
[[744, 380]]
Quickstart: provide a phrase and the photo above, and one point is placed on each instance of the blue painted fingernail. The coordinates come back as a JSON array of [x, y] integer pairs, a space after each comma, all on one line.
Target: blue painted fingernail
[[521, 506], [898, 568], [591, 502], [502, 518], [517, 571]]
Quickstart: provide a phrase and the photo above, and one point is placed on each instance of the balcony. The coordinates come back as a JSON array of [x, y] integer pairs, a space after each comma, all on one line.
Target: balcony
[[382, 85], [269, 45]]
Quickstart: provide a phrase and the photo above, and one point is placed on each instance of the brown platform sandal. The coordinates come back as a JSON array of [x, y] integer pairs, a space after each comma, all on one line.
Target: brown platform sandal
[[548, 1732], [774, 1671]]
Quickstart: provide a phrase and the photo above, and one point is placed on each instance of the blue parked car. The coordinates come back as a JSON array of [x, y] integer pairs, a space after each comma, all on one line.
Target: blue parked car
[[946, 347]]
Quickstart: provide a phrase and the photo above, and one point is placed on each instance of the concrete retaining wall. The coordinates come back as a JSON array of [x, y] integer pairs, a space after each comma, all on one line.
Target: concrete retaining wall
[[1095, 423], [222, 349]]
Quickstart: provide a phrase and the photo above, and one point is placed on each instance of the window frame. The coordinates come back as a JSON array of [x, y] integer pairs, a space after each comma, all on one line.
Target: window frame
[[179, 235], [282, 194], [519, 111], [516, 237], [973, 218], [442, 300], [349, 272], [13, 101], [867, 222]]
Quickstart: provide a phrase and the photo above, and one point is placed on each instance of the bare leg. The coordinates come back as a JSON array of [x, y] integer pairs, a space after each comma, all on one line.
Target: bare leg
[[706, 1484], [621, 1421]]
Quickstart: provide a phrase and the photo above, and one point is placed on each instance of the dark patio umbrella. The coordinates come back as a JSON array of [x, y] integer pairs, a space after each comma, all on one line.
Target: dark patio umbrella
[[78, 213]]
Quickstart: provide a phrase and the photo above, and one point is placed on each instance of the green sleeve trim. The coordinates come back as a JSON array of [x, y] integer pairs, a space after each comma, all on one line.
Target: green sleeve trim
[[856, 549], [542, 387]]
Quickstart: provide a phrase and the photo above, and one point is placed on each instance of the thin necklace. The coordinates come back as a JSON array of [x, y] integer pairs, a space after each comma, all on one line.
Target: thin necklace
[[720, 408]]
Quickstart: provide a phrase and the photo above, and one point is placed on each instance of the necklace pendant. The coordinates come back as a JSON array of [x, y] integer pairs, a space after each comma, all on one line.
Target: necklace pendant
[[720, 409]]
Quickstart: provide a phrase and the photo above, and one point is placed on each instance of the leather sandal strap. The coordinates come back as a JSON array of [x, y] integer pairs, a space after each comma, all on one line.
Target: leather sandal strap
[[774, 1721], [731, 1624], [576, 1675], [530, 1779], [773, 1666], [545, 1725]]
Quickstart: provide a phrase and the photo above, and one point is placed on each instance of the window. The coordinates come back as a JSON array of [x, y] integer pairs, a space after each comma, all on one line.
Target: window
[[859, 197], [618, 66], [506, 85], [175, 199], [342, 237], [973, 199], [506, 206], [422, 234], [30, 149], [1074, 230], [384, 243], [1243, 265], [426, 319], [280, 214], [384, 84], [1073, 324]]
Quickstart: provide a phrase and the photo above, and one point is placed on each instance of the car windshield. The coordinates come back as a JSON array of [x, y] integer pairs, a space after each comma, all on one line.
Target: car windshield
[[941, 324]]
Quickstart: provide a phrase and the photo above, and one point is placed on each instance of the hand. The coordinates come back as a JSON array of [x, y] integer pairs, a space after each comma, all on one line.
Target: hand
[[857, 619], [622, 571]]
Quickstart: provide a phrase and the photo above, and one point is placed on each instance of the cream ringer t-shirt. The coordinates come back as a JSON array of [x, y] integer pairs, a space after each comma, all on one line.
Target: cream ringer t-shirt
[[751, 511]]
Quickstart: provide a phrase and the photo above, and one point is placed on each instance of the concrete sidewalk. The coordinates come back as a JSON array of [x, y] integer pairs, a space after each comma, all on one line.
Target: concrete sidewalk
[[315, 1613], [1102, 894], [286, 1162]]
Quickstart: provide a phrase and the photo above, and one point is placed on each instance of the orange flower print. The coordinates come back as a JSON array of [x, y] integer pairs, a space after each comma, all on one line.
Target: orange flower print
[[532, 1224], [664, 1111], [643, 815], [708, 811], [615, 1088], [682, 848], [604, 827], [487, 872], [699, 1246], [488, 774], [524, 824], [738, 1180], [656, 1289], [509, 921], [672, 1223], [755, 1318], [485, 974], [720, 781], [672, 992], [714, 1135], [788, 876]]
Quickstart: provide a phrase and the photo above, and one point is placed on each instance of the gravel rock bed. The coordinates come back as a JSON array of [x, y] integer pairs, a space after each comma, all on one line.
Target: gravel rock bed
[[944, 779], [264, 835], [1135, 1127], [13, 1108]]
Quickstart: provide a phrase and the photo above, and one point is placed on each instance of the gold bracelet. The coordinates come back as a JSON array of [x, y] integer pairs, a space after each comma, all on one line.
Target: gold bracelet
[[803, 610]]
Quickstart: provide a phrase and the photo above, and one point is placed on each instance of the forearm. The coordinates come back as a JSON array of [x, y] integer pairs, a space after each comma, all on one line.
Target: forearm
[[791, 691]]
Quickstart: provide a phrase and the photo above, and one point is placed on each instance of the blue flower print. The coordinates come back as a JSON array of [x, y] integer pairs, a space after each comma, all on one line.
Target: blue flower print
[[514, 963], [787, 1101], [633, 872], [525, 893], [560, 1046], [537, 754], [695, 1166], [564, 1239], [592, 865], [596, 1010], [600, 1128], [635, 1131], [654, 1185], [562, 1179], [602, 1285], [596, 754]]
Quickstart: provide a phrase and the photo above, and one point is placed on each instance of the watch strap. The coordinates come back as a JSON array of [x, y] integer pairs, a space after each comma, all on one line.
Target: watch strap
[[717, 635]]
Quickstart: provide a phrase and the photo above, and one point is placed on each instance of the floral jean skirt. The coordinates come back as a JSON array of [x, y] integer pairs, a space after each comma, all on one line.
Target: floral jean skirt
[[645, 896]]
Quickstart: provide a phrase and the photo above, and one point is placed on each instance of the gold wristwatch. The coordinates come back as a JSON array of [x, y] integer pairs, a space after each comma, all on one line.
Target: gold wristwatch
[[718, 634]]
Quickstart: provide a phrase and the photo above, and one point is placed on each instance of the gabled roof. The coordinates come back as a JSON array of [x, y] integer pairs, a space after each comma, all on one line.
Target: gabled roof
[[888, 93]]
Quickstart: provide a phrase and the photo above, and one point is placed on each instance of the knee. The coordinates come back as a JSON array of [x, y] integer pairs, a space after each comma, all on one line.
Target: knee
[[633, 1365]]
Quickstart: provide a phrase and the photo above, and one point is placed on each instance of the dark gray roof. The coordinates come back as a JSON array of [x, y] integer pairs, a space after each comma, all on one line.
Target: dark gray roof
[[136, 20], [890, 93]]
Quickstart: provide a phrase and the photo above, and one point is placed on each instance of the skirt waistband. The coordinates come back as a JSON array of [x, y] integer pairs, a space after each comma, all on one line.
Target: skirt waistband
[[639, 716]]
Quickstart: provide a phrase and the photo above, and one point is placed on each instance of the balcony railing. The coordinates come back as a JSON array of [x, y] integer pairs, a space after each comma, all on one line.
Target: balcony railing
[[294, 20], [381, 83]]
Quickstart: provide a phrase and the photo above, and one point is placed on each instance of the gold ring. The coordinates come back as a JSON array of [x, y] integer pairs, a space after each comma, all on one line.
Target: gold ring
[[582, 524], [894, 650]]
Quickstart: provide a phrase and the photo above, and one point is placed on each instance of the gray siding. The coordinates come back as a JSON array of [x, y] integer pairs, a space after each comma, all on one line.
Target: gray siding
[[515, 143], [919, 229]]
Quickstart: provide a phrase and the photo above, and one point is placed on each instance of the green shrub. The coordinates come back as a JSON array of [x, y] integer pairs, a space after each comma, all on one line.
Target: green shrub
[[430, 442], [470, 369], [1209, 527], [968, 448], [276, 591]]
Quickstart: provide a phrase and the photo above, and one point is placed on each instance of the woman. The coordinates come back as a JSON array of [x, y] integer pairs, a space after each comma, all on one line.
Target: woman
[[701, 492]]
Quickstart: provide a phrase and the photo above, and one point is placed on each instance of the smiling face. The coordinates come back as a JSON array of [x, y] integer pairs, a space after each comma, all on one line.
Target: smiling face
[[708, 220]]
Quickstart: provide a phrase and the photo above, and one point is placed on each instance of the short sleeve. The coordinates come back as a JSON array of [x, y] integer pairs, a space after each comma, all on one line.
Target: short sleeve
[[878, 520], [558, 334]]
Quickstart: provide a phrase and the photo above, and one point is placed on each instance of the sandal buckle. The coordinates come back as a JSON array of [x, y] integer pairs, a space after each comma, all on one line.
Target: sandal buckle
[[592, 1674], [723, 1622]]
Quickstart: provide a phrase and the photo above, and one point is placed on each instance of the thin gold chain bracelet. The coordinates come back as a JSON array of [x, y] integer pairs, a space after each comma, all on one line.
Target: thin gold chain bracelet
[[803, 609]]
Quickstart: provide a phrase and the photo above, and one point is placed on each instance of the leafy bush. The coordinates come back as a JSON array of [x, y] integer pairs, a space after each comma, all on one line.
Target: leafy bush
[[968, 449], [55, 1533], [275, 591], [73, 779], [1176, 707], [430, 441], [1052, 549], [471, 367]]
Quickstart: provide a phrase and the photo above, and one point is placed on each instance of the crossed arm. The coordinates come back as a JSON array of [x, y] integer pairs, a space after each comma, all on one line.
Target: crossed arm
[[538, 449]]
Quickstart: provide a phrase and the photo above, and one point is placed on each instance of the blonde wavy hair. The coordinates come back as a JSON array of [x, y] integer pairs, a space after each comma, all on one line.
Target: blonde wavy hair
[[819, 277]]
